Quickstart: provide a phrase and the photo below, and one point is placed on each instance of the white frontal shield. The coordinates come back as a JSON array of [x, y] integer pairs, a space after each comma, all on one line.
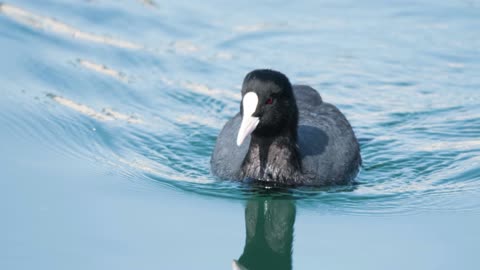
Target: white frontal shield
[[249, 123]]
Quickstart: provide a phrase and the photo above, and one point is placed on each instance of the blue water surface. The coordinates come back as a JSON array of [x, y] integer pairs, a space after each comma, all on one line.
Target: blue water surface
[[109, 111]]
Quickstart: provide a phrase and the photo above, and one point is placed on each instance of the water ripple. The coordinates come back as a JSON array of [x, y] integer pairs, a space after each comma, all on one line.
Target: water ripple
[[152, 115], [49, 24]]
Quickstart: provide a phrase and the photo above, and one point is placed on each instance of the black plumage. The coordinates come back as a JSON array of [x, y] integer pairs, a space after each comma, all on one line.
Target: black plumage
[[299, 139]]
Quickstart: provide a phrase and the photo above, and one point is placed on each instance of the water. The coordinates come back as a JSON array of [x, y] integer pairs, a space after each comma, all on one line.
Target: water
[[110, 110]]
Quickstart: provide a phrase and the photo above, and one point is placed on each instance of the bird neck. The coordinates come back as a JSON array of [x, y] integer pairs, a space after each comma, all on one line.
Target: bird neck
[[273, 159]]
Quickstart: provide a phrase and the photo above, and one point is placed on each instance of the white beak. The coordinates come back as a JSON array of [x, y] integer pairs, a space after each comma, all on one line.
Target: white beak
[[249, 123]]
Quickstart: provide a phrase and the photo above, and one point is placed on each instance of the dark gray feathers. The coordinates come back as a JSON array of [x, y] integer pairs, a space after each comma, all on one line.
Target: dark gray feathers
[[328, 151]]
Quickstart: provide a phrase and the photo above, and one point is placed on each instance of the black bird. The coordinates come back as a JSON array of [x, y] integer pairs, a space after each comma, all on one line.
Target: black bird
[[285, 135]]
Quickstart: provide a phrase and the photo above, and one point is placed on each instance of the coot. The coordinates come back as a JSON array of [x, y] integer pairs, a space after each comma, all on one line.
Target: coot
[[287, 135]]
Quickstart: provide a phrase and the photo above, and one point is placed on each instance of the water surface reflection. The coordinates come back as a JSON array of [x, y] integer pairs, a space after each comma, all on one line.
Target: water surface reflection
[[269, 234]]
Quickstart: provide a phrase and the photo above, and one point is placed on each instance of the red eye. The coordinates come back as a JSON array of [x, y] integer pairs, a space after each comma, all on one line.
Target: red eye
[[269, 101]]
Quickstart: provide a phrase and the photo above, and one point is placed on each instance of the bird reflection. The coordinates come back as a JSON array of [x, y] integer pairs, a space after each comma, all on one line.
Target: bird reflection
[[269, 227]]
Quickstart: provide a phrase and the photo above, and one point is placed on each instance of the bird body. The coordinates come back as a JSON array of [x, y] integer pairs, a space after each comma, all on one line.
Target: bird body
[[294, 138]]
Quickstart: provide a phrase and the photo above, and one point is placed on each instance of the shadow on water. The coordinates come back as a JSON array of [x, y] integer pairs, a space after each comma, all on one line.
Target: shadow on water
[[269, 224]]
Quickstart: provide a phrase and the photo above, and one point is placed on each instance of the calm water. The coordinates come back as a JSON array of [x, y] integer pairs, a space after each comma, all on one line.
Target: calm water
[[110, 110]]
